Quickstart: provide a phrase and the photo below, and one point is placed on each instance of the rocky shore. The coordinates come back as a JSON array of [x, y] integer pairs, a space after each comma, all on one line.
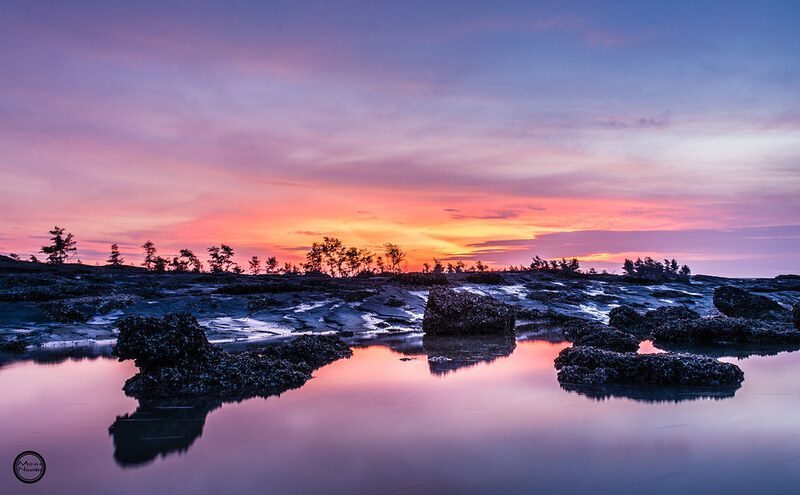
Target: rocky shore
[[274, 330]]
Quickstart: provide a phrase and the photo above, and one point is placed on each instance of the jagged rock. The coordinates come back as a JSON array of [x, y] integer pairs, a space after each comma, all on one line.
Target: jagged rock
[[735, 331], [63, 313], [449, 312], [420, 279], [261, 303], [601, 336], [591, 366], [659, 316], [176, 360], [259, 288], [796, 315], [490, 278], [394, 302], [313, 350], [626, 318], [735, 301]]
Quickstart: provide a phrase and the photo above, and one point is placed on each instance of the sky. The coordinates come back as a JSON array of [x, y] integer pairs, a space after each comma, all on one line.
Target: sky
[[457, 130]]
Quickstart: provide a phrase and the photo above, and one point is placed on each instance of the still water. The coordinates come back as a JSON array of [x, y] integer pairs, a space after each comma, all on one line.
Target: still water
[[377, 424]]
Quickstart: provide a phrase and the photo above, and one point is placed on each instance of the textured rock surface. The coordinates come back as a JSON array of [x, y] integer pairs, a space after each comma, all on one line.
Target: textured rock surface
[[625, 318], [708, 331], [796, 315], [630, 320], [449, 312], [602, 336], [735, 301], [591, 366], [176, 360]]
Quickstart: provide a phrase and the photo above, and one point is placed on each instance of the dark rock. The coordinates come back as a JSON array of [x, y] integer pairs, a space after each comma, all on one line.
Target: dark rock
[[796, 315], [258, 288], [670, 294], [726, 331], [601, 336], [489, 278], [176, 360], [153, 342], [394, 302], [734, 301], [15, 346], [261, 303], [626, 318], [420, 279], [63, 313], [659, 316], [449, 312], [591, 366], [313, 350], [357, 295]]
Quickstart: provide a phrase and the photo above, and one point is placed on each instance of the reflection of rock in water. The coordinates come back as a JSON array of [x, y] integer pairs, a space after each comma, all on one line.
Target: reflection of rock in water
[[650, 394], [56, 355], [446, 354], [739, 351], [157, 428]]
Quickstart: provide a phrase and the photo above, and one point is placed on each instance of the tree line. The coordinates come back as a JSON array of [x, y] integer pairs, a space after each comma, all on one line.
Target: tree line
[[332, 257]]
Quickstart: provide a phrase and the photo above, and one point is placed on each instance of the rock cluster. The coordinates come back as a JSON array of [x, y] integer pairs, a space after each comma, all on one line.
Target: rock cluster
[[628, 319], [449, 312], [737, 302], [591, 366], [176, 360], [600, 336], [729, 331]]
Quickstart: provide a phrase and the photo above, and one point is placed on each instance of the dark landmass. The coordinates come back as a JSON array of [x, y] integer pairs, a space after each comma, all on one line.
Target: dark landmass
[[176, 360], [590, 366], [45, 309]]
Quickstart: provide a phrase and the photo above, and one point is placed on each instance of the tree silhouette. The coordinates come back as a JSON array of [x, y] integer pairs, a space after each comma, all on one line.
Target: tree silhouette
[[115, 259], [185, 260], [394, 256], [255, 265], [220, 258], [271, 264], [62, 247], [149, 254]]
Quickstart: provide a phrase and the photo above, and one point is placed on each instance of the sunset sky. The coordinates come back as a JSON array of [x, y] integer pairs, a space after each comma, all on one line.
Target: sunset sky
[[458, 130]]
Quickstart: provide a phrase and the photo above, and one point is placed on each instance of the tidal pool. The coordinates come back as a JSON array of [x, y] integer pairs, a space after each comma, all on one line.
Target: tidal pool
[[376, 424]]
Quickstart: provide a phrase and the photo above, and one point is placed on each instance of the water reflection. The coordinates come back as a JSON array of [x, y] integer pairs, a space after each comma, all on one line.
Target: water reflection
[[650, 394], [158, 428], [739, 351], [446, 354], [54, 355]]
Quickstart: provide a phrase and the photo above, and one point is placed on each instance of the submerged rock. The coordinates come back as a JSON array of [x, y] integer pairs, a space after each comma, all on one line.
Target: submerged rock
[[176, 360], [735, 301], [602, 336], [726, 331], [591, 366], [449, 312]]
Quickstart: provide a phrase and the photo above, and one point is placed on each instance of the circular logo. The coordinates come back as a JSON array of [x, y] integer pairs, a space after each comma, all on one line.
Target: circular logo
[[29, 467]]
